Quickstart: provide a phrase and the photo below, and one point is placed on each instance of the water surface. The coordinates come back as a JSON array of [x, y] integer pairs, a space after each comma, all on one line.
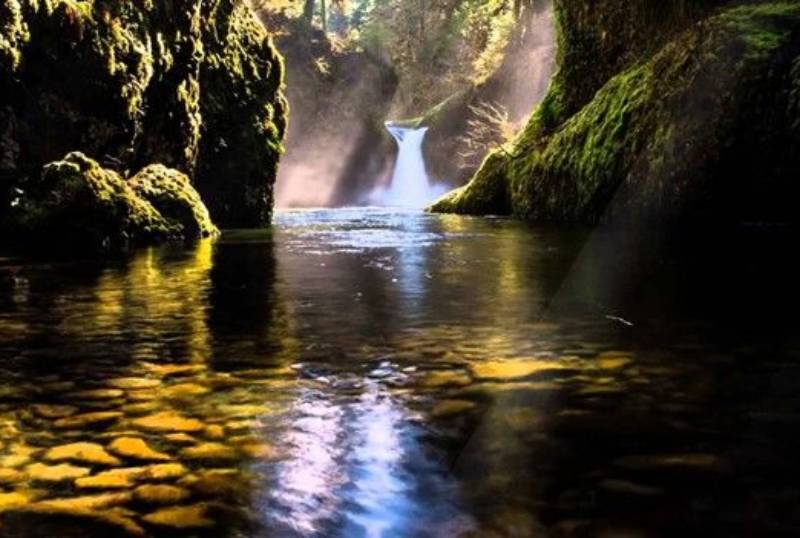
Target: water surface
[[384, 374]]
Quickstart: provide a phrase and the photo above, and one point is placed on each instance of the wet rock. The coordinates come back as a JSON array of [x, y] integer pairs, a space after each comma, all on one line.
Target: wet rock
[[214, 431], [86, 502], [209, 452], [437, 379], [53, 411], [180, 438], [135, 448], [86, 453], [10, 476], [96, 394], [133, 383], [181, 517], [41, 521], [40, 472], [168, 421], [168, 370], [659, 462], [449, 408], [262, 451], [140, 408], [217, 483], [143, 395], [626, 487], [239, 426], [126, 477], [242, 411], [13, 500], [184, 390], [160, 494], [107, 480], [19, 454], [100, 419], [514, 368]]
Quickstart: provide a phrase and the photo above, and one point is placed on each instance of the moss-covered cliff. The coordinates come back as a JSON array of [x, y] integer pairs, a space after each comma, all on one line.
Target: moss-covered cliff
[[194, 85], [676, 109]]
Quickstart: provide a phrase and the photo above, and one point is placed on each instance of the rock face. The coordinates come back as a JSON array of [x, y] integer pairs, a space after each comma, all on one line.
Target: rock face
[[658, 110], [193, 85]]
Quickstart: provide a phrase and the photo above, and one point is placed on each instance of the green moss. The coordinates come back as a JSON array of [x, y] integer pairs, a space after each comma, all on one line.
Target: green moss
[[79, 203], [173, 196], [196, 86], [658, 136]]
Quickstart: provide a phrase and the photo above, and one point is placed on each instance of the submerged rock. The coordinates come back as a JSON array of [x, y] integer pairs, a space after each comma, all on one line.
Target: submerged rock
[[209, 452], [98, 420], [55, 473], [87, 453], [181, 517], [168, 421], [160, 494], [135, 448]]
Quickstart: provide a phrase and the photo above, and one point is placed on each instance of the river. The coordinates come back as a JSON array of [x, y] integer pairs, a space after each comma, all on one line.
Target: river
[[379, 373]]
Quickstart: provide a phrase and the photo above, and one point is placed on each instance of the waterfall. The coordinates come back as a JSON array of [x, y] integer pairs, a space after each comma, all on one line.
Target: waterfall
[[410, 185]]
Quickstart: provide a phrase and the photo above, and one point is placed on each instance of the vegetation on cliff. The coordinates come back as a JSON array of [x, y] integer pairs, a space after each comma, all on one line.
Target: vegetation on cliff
[[194, 85], [700, 122]]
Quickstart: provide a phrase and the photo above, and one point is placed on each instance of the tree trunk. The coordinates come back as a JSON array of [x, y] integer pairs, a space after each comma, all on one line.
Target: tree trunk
[[308, 12]]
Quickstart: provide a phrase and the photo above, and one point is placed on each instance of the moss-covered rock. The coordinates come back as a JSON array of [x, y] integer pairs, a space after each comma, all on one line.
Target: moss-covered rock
[[195, 85], [706, 127], [83, 205], [173, 196]]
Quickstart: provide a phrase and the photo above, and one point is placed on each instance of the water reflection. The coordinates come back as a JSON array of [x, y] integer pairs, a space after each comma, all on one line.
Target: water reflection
[[377, 373]]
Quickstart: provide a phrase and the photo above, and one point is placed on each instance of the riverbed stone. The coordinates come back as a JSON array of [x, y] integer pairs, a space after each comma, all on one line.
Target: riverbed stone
[[13, 499], [168, 421], [444, 378], [184, 390], [105, 481], [181, 517], [53, 411], [514, 368], [209, 452], [83, 452], [135, 448], [40, 472], [18, 455], [167, 370], [10, 476], [96, 394], [217, 483], [87, 502], [160, 494], [180, 438], [449, 408], [95, 420], [133, 383]]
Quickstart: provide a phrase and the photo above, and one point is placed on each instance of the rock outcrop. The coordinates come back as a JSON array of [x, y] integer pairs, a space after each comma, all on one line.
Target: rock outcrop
[[669, 110], [193, 85]]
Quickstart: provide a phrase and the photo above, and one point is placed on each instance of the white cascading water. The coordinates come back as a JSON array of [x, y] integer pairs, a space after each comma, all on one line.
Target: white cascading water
[[410, 185]]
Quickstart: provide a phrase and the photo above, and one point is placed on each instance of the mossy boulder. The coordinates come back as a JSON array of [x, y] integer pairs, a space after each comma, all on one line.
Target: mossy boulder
[[173, 196], [79, 204], [194, 85], [706, 128]]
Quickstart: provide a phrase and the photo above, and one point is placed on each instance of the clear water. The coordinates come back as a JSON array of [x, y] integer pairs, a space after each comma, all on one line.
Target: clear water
[[370, 373]]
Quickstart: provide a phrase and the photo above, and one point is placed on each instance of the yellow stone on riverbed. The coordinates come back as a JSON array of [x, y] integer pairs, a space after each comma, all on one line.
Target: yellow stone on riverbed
[[88, 420], [134, 383], [89, 453], [159, 494], [10, 476], [86, 502], [96, 394], [184, 390], [53, 411], [108, 480], [128, 476], [181, 517], [135, 448], [55, 473], [209, 451], [167, 421], [13, 500], [514, 368]]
